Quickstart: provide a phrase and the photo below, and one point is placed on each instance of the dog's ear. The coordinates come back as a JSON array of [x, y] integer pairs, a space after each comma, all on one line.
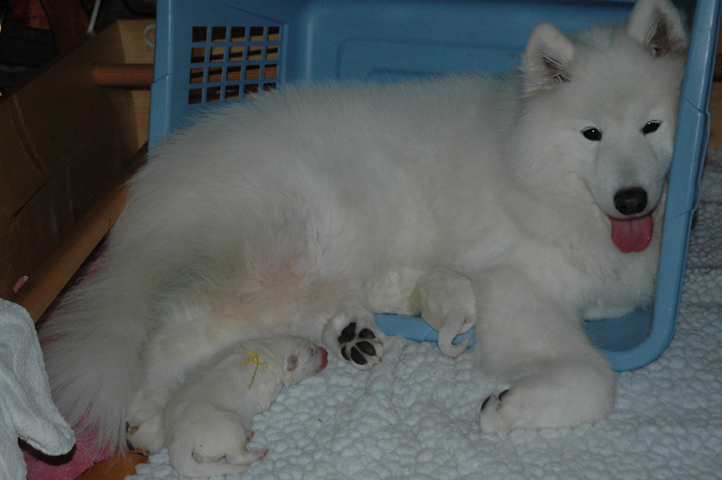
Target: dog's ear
[[291, 362], [547, 56], [657, 25]]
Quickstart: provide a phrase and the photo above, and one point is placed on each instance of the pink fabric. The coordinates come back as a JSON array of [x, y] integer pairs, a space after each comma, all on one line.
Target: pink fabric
[[66, 467]]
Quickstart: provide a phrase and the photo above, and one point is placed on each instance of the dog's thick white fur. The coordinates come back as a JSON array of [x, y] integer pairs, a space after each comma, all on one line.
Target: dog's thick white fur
[[209, 416], [518, 204]]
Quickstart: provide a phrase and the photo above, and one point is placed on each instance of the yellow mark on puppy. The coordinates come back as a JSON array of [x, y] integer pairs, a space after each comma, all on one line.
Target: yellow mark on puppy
[[257, 359]]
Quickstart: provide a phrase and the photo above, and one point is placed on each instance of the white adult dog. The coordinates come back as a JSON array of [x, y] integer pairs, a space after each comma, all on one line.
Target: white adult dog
[[209, 416], [518, 204]]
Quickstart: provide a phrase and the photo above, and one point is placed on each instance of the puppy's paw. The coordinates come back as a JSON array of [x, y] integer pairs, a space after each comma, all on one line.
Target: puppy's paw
[[246, 457], [357, 339]]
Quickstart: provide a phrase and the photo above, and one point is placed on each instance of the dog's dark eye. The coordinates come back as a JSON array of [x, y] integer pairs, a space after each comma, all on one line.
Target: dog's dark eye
[[651, 127], [592, 134]]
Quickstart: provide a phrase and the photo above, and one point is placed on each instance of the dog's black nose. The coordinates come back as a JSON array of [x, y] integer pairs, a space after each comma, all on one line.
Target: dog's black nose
[[630, 201]]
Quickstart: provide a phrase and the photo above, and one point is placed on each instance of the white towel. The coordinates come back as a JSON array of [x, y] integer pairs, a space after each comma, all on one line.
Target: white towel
[[412, 416], [26, 408]]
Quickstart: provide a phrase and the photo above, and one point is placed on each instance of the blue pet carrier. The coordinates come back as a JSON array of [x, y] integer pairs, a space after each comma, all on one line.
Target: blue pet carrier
[[212, 51]]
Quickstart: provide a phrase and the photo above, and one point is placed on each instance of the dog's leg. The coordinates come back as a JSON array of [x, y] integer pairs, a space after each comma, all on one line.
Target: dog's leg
[[447, 302], [355, 336], [526, 338]]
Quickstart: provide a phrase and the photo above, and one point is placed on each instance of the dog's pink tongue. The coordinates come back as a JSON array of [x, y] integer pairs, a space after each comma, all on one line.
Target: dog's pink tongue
[[632, 235]]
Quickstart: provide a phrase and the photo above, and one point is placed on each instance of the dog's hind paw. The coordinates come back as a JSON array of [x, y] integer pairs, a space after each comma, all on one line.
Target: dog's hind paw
[[359, 343], [359, 348], [146, 438]]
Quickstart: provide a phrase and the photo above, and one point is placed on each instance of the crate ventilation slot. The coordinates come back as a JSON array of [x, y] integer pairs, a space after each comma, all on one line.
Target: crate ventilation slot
[[230, 63]]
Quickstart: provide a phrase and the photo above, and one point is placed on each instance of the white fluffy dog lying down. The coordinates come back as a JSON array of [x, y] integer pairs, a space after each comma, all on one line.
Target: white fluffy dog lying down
[[518, 205], [209, 416]]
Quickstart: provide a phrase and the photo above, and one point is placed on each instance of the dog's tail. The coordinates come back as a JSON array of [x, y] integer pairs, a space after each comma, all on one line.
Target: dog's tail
[[182, 459], [91, 345]]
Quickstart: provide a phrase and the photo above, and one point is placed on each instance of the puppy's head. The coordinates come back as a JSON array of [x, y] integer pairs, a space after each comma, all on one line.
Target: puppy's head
[[303, 360]]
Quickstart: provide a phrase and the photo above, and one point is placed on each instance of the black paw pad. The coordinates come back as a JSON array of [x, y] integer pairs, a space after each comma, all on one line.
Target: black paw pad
[[366, 348], [357, 357], [348, 333], [366, 334]]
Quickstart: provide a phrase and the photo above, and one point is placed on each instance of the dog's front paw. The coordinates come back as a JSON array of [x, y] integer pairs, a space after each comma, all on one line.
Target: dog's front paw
[[357, 339], [491, 417], [561, 393]]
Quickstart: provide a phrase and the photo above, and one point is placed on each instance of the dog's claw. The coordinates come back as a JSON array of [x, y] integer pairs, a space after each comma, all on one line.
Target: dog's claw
[[132, 449], [499, 398]]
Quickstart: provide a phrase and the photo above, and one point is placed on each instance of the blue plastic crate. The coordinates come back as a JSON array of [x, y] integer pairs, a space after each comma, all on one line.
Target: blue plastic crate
[[212, 51]]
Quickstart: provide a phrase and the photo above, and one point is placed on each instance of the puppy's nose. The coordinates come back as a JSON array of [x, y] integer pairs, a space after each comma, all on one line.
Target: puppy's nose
[[630, 201]]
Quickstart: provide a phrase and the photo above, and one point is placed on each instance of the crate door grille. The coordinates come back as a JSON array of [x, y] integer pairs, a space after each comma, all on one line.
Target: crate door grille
[[233, 62]]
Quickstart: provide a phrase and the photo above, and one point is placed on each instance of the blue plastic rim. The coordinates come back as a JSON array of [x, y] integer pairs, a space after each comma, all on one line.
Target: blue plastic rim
[[215, 51]]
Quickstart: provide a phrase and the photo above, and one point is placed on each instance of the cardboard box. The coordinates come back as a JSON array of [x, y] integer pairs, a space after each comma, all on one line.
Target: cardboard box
[[63, 139]]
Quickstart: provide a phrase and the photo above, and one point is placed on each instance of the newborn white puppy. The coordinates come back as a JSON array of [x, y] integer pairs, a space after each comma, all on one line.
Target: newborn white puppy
[[210, 415]]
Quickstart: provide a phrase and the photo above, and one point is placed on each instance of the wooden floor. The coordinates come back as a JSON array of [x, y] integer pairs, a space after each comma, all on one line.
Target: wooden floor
[[114, 468]]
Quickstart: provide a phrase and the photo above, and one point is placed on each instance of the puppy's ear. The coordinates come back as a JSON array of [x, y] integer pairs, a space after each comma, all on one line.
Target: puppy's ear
[[291, 362], [657, 25], [547, 56]]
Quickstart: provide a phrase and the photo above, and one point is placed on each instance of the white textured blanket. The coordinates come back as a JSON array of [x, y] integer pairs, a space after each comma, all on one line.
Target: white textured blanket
[[413, 416]]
